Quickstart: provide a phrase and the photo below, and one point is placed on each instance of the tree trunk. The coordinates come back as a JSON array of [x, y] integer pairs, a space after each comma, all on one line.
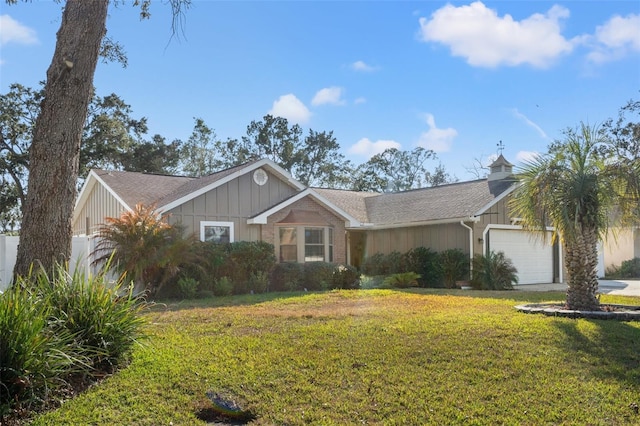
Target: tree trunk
[[45, 236], [581, 260]]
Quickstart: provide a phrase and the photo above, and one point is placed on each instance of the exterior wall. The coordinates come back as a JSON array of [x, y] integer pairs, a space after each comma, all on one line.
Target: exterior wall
[[307, 203], [435, 237], [99, 205], [235, 201], [620, 245]]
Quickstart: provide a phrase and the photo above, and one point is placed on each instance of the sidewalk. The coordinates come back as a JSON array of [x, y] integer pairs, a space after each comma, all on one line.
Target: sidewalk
[[618, 287]]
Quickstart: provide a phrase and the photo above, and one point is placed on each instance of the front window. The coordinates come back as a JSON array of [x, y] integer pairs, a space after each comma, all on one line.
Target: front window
[[288, 245], [314, 244], [216, 232], [305, 244]]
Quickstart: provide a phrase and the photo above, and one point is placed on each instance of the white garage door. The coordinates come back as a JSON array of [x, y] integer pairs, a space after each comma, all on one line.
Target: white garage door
[[530, 255]]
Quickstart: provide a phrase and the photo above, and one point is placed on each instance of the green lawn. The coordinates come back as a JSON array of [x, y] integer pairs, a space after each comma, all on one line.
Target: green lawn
[[373, 357]]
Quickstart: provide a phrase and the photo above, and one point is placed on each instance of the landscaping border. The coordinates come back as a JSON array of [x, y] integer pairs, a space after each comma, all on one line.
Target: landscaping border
[[610, 312]]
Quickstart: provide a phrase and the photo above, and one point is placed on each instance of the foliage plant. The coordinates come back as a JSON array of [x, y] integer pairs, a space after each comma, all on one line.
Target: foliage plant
[[424, 262], [286, 276], [143, 247], [402, 280], [345, 277], [453, 265], [223, 287], [627, 269], [493, 272], [188, 287], [318, 275], [59, 325], [581, 187], [246, 259], [33, 359]]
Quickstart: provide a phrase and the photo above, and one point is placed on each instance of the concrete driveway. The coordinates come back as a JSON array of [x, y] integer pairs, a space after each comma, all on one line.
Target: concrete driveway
[[619, 287]]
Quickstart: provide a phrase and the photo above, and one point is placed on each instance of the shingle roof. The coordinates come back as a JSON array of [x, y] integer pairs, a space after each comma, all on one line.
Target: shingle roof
[[458, 200], [134, 187], [351, 202]]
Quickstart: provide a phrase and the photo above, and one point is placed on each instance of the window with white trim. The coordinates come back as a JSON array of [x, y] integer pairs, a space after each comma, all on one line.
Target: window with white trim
[[305, 244], [216, 232]]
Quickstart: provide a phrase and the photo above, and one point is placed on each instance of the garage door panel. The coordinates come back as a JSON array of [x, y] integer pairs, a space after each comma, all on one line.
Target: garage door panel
[[532, 257]]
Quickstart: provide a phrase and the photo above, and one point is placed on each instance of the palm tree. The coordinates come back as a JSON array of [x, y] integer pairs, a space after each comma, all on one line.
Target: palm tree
[[581, 189], [142, 246]]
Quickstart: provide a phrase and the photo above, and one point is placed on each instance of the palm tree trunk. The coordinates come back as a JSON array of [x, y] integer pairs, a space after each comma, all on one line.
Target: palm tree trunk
[[581, 261]]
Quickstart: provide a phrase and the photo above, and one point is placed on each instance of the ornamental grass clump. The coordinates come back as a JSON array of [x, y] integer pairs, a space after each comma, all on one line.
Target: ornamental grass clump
[[62, 330]]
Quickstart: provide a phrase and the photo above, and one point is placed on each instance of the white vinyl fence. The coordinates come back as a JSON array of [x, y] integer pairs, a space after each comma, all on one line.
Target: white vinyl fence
[[81, 249]]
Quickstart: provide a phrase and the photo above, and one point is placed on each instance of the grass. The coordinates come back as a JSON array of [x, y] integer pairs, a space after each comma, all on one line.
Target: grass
[[373, 357]]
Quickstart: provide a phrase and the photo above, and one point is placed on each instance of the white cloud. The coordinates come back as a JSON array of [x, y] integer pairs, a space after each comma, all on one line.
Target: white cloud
[[530, 123], [360, 100], [291, 108], [527, 156], [328, 95], [362, 66], [438, 140], [367, 148], [485, 39], [12, 31], [618, 37]]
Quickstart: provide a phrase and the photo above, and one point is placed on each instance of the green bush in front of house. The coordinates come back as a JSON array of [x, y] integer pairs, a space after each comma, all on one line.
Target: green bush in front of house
[[493, 272], [286, 276], [60, 329], [402, 280], [345, 277], [424, 262], [627, 269], [453, 265], [317, 275]]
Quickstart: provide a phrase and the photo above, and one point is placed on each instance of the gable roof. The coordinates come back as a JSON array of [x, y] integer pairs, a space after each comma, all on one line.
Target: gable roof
[[349, 201], [167, 192], [441, 204]]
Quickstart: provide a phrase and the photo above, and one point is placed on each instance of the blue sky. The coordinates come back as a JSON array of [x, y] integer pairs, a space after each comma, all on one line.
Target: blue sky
[[454, 77]]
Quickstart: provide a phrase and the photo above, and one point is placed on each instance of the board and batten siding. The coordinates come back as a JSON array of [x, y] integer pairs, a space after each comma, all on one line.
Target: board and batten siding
[[234, 201], [498, 214], [99, 205], [435, 237]]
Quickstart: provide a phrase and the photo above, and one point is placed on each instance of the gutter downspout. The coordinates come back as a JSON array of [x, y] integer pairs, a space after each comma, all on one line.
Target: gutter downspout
[[470, 244]]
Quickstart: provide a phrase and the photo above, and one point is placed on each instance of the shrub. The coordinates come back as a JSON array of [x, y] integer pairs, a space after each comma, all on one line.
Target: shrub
[[317, 275], [453, 266], [402, 280], [247, 258], [33, 360], [627, 269], [424, 262], [375, 264], [141, 245], [103, 318], [258, 282], [286, 276], [222, 287], [345, 277], [55, 326], [493, 272], [188, 287]]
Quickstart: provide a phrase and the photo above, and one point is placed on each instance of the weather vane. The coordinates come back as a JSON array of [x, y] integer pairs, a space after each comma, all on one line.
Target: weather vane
[[500, 147]]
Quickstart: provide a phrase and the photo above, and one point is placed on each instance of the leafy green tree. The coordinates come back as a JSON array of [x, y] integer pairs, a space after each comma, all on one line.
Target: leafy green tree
[[154, 156], [273, 138], [624, 132], [439, 177], [110, 135], [321, 164], [393, 170], [581, 187], [18, 111], [198, 154]]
